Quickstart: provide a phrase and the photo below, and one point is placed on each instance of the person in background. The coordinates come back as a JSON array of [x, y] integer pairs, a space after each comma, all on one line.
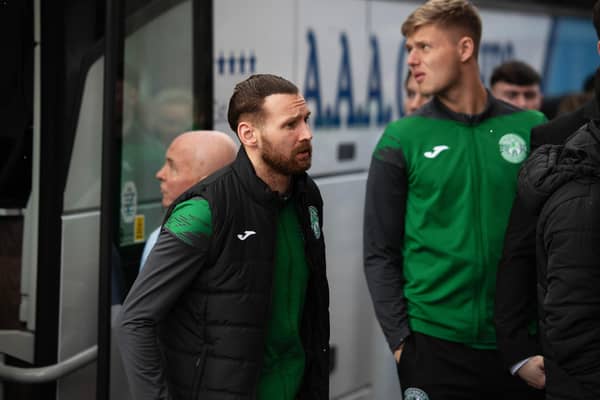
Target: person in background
[[439, 191], [233, 302], [171, 112], [517, 83], [515, 311], [192, 156], [413, 100], [561, 184], [141, 154]]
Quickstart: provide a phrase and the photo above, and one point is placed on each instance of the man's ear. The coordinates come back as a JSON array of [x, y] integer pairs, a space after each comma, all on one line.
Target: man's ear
[[247, 134], [466, 48]]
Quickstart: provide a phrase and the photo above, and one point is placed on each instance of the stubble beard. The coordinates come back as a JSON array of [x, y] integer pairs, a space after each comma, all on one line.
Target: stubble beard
[[286, 166]]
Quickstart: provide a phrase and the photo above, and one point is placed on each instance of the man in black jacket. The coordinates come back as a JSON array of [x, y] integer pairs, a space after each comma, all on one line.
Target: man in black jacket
[[233, 300], [562, 185], [515, 310]]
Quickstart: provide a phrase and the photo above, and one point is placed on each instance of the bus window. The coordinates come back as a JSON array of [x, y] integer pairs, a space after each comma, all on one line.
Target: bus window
[[157, 105]]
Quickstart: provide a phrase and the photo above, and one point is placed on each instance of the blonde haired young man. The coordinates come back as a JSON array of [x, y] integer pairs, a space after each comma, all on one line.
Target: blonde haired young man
[[439, 192]]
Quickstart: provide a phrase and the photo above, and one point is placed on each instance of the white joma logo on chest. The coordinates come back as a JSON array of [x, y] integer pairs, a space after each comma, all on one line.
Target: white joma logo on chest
[[245, 235], [436, 151]]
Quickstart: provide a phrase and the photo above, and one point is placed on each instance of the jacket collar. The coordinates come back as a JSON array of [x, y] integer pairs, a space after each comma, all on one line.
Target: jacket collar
[[257, 188], [467, 119]]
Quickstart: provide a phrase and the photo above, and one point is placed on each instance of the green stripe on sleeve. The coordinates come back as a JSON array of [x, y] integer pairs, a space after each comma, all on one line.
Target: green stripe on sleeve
[[191, 220]]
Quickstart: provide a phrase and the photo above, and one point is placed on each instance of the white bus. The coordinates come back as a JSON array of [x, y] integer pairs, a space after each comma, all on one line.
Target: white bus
[[93, 91]]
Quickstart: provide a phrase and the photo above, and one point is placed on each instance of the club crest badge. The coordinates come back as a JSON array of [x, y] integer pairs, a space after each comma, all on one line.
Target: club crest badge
[[513, 148], [415, 394], [314, 221]]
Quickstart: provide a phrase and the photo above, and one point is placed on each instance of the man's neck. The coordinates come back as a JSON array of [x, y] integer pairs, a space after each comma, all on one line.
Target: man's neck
[[466, 97], [275, 181]]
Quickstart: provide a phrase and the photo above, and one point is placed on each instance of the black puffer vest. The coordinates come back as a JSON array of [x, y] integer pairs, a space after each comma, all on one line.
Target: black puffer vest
[[213, 341]]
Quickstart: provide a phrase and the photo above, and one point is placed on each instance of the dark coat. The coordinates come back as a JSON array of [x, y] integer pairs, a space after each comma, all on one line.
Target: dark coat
[[515, 307], [562, 185]]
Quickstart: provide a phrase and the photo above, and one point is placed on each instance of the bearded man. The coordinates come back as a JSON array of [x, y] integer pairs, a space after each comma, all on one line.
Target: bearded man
[[233, 301]]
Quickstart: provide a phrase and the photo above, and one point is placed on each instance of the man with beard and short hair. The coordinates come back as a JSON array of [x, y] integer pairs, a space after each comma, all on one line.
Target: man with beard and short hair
[[233, 300]]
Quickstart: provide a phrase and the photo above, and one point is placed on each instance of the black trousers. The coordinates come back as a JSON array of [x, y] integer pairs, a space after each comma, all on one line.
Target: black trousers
[[436, 369]]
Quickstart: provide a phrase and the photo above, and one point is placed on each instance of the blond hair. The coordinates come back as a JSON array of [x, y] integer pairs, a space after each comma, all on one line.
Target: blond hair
[[457, 14]]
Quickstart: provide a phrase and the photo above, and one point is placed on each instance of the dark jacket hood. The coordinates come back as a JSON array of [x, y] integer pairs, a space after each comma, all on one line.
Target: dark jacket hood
[[551, 166]]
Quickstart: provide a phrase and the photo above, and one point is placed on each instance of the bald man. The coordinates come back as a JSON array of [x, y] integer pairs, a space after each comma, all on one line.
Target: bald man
[[191, 157]]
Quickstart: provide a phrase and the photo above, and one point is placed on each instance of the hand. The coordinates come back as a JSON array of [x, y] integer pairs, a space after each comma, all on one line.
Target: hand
[[398, 353], [533, 373]]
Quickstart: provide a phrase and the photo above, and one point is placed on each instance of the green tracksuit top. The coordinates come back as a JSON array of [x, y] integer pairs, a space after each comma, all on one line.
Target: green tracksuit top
[[439, 193]]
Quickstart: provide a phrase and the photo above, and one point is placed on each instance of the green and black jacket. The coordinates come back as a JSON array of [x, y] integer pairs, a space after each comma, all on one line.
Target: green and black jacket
[[194, 323], [439, 194]]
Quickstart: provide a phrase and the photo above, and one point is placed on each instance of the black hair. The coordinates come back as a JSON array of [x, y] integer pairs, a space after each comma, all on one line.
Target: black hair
[[516, 73], [249, 95]]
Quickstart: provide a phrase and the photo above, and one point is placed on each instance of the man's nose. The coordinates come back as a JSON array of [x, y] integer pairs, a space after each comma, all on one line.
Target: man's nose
[[306, 133], [413, 58], [521, 101], [412, 106], [160, 174]]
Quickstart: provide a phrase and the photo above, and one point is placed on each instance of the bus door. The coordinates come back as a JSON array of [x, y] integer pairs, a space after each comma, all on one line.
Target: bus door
[[66, 160]]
